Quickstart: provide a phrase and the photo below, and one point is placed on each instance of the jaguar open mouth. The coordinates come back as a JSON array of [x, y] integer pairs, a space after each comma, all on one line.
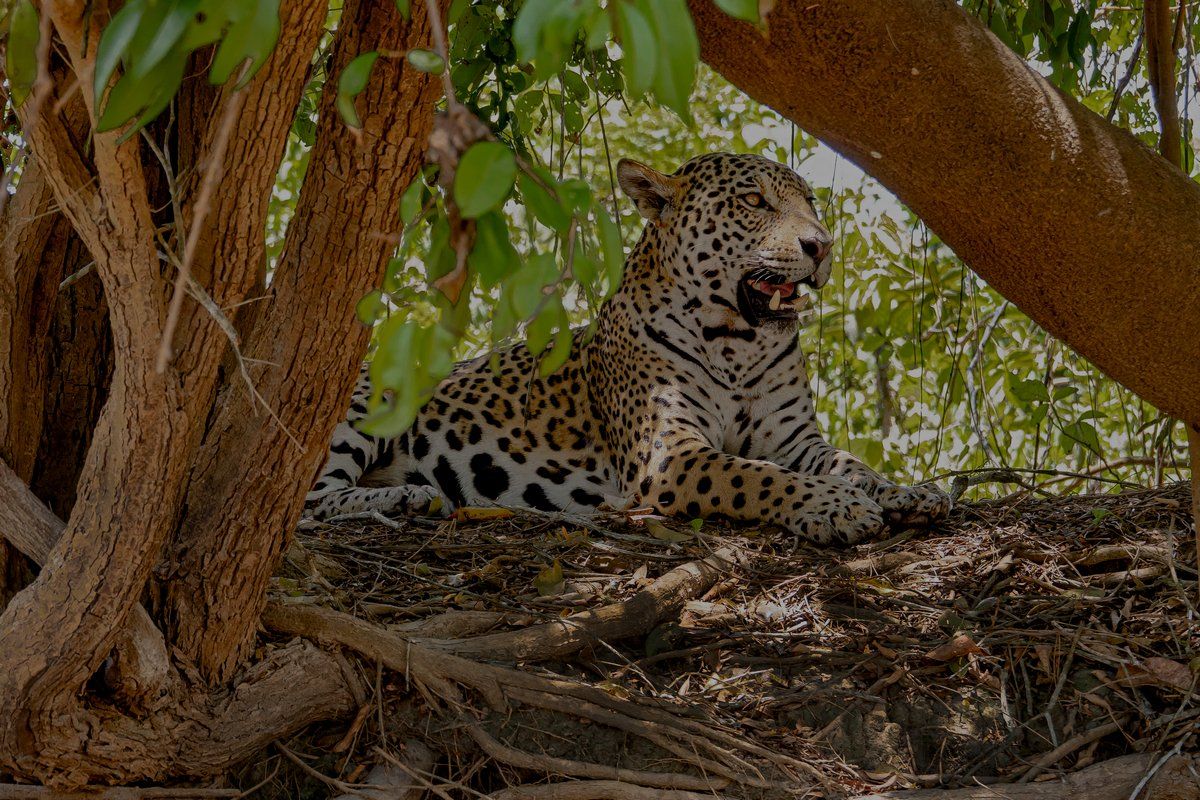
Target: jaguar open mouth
[[765, 296]]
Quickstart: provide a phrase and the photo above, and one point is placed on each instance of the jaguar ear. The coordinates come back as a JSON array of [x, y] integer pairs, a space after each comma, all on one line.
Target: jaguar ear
[[648, 188]]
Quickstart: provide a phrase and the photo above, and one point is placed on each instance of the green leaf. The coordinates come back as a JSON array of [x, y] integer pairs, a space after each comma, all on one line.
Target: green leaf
[[524, 288], [1030, 391], [410, 360], [457, 8], [350, 83], [403, 6], [740, 9], [493, 257], [410, 201], [678, 53], [21, 61], [638, 43], [585, 270], [541, 328], [558, 354], [113, 43], [143, 99], [543, 205], [575, 85], [426, 61], [251, 37], [485, 177], [610, 245], [1083, 433], [527, 30], [369, 307], [599, 30], [576, 195], [166, 35]]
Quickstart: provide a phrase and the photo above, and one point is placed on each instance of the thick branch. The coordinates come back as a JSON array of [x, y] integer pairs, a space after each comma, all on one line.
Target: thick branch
[[1160, 63], [338, 244], [1086, 230], [230, 251], [636, 616]]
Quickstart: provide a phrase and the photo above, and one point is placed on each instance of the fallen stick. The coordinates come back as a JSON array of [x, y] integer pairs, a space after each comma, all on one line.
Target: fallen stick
[[597, 790], [1114, 779], [1070, 746], [395, 778], [640, 614]]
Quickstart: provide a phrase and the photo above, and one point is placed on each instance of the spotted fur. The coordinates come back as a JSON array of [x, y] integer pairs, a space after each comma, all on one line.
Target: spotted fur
[[691, 397]]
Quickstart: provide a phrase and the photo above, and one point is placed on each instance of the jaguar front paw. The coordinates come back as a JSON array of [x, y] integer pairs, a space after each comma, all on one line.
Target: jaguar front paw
[[912, 505], [831, 511]]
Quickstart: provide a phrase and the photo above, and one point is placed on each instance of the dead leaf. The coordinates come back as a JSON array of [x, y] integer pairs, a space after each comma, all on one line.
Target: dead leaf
[[886, 652], [961, 645], [660, 531], [550, 580], [1156, 670]]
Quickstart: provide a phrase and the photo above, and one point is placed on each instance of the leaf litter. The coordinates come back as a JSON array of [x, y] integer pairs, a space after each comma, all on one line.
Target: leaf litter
[[942, 657]]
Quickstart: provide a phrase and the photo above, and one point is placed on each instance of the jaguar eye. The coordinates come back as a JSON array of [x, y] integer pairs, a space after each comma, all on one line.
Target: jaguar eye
[[754, 200]]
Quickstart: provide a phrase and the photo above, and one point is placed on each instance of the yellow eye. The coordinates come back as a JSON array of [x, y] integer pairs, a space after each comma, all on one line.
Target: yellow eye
[[754, 200]]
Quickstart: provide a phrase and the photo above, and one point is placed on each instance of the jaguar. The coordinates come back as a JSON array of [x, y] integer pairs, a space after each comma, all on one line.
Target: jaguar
[[691, 397]]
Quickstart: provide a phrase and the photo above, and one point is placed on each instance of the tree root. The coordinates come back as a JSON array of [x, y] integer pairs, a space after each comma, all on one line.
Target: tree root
[[719, 756], [565, 766], [196, 734]]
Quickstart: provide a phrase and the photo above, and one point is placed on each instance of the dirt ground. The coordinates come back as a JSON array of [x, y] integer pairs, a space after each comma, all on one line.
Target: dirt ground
[[1023, 627]]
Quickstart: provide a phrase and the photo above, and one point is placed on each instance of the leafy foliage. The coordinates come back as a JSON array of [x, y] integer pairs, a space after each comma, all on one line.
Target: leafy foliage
[[152, 40], [20, 63], [918, 366]]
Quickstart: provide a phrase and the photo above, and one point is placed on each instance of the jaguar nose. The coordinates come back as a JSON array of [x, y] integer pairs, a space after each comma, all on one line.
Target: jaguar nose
[[816, 247]]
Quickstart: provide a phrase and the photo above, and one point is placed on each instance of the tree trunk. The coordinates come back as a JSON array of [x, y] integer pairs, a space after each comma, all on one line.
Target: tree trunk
[[260, 457], [1086, 230], [159, 439], [80, 369]]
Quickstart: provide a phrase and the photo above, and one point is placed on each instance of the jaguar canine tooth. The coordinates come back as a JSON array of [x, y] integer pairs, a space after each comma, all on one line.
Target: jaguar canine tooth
[[775, 298]]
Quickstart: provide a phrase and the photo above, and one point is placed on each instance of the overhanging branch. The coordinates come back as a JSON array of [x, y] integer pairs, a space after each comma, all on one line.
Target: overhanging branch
[[1085, 229]]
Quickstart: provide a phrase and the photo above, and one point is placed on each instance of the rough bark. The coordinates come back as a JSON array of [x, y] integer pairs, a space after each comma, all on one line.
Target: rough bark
[[80, 359], [55, 634], [1085, 229], [255, 466], [177, 730], [35, 240], [37, 250], [230, 249]]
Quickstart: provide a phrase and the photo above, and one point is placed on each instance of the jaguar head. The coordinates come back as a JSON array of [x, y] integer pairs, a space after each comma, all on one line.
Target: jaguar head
[[739, 231]]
